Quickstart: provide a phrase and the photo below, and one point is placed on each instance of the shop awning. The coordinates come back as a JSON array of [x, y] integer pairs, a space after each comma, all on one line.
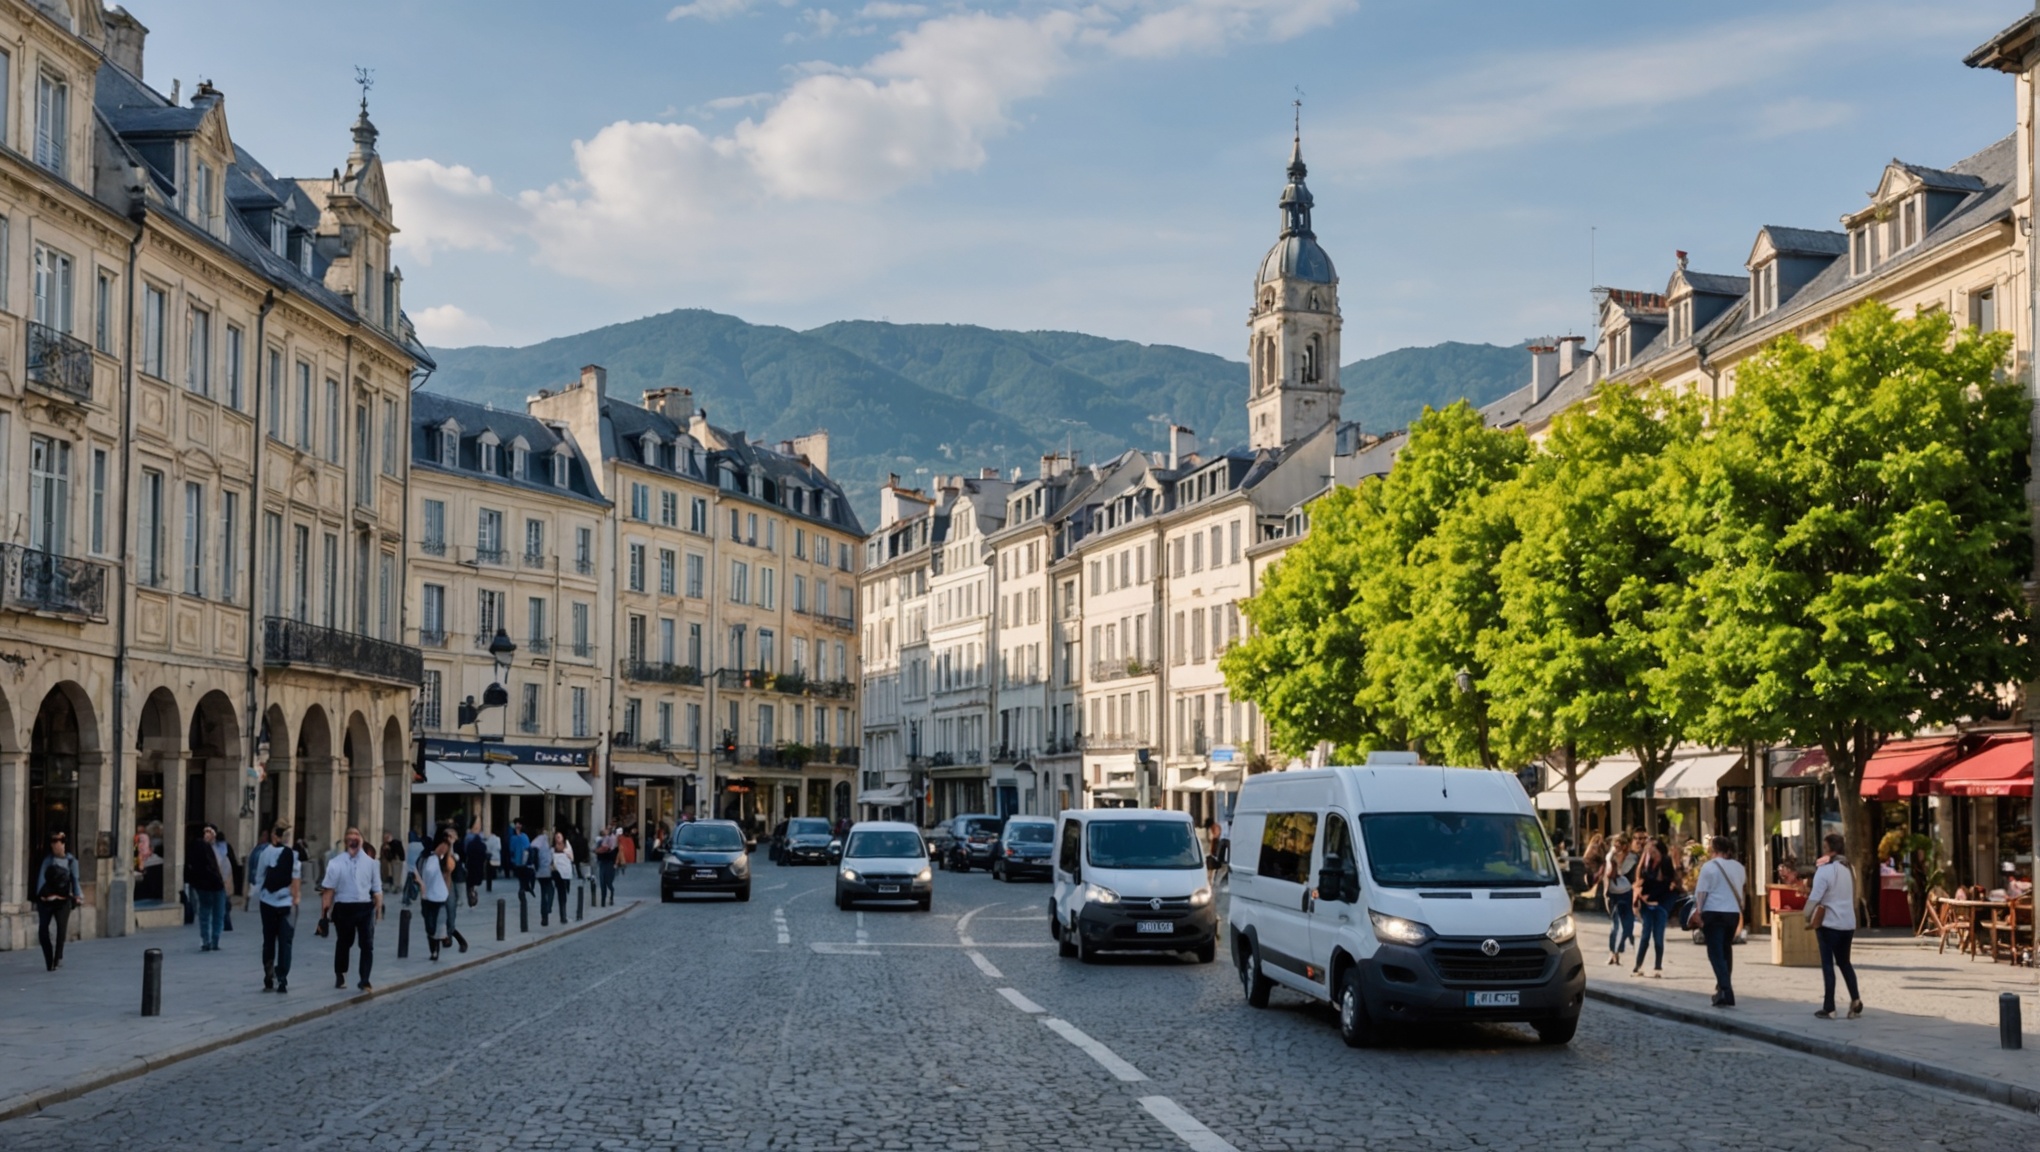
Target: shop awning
[[1597, 785], [1696, 777], [557, 781], [2002, 767], [1811, 765], [443, 779], [1901, 768], [1194, 784], [884, 797]]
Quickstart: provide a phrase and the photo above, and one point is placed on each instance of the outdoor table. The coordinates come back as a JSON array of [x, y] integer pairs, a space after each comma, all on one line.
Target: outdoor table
[[1974, 909]]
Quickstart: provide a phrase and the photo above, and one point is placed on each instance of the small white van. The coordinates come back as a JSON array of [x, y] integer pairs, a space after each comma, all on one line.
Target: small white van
[[1402, 893], [1130, 879]]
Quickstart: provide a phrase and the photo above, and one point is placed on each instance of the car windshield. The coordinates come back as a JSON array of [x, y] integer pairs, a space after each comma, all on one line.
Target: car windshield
[[884, 845], [1462, 849], [1030, 833], [1143, 844], [710, 838], [985, 827], [808, 828]]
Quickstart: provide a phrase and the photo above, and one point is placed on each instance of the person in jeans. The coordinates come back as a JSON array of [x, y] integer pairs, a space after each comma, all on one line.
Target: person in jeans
[[1717, 900], [276, 874], [351, 901], [1618, 884], [1657, 882], [207, 869], [1831, 909], [516, 856], [56, 892], [475, 860], [605, 864], [431, 872], [540, 872], [563, 869]]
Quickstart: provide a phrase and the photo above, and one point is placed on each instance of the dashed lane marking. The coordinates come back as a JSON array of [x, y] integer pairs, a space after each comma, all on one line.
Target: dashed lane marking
[[984, 965], [862, 936], [1014, 998], [1106, 1057], [963, 925], [779, 926], [1196, 1135], [836, 948]]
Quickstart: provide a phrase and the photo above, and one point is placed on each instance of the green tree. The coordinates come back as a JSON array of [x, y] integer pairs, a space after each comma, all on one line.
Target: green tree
[[1576, 664], [1863, 529]]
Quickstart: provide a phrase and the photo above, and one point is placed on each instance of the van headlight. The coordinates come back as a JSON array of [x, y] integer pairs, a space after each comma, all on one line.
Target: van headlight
[[1563, 929], [1200, 898], [1397, 930], [925, 875], [850, 874], [1093, 894]]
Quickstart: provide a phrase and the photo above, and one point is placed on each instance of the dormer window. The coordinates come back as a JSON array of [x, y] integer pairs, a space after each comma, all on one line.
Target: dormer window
[[486, 449], [559, 469], [1680, 321], [1764, 290], [520, 460], [1862, 249], [1908, 223], [449, 446], [1618, 348], [648, 449], [279, 235], [304, 253], [205, 188]]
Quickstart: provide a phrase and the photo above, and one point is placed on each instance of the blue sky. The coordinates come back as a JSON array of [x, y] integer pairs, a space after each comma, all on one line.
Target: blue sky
[[1109, 167]]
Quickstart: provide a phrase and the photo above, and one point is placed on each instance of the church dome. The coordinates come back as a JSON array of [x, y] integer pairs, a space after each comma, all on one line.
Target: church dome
[[1297, 258]]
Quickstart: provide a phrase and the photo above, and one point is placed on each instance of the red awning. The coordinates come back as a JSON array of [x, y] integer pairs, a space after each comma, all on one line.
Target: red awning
[[2002, 767], [1810, 766], [1901, 768]]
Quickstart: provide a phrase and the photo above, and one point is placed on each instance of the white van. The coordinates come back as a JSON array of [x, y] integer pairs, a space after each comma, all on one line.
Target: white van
[[1130, 879], [1401, 892]]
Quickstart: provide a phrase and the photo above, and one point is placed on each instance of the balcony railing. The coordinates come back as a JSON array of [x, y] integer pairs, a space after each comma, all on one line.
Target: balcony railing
[[740, 679], [432, 547], [295, 643], [585, 566], [1121, 669], [842, 623], [1112, 743], [582, 649], [56, 585], [648, 672], [534, 559], [538, 645], [488, 556], [833, 689], [431, 637], [527, 724], [58, 363]]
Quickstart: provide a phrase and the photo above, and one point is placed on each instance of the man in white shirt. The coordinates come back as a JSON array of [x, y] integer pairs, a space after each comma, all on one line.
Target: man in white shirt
[[351, 900], [542, 872], [275, 873], [1718, 897], [1831, 908]]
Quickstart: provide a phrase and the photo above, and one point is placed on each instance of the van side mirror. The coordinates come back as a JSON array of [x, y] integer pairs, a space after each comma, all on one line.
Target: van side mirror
[[1331, 881]]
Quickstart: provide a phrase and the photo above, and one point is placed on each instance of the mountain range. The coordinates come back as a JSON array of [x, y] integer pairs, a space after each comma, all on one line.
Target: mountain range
[[927, 399]]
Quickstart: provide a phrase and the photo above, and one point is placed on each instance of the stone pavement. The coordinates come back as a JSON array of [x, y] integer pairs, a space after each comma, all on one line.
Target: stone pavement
[[1928, 1016], [79, 1028]]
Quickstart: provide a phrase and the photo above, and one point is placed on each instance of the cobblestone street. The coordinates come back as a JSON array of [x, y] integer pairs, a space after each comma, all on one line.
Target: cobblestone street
[[785, 1023]]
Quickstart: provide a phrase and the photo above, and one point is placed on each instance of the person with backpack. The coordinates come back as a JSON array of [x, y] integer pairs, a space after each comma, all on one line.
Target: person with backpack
[[277, 875], [605, 863], [475, 860], [56, 892]]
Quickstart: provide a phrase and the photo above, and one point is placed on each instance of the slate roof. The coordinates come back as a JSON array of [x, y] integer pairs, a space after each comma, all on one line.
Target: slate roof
[[430, 410], [1715, 284], [1806, 241]]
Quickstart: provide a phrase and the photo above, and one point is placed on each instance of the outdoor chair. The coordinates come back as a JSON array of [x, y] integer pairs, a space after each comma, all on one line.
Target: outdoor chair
[[2008, 927], [1949, 923]]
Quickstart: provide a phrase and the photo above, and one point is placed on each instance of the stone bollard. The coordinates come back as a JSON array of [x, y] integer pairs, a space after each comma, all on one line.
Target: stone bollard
[[523, 912], [579, 895], [2010, 1031], [502, 916], [404, 935], [152, 982]]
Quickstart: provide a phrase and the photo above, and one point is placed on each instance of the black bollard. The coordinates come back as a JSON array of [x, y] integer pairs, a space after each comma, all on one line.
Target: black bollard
[[502, 915], [489, 879], [523, 913], [579, 894], [404, 935], [2010, 1031], [152, 982]]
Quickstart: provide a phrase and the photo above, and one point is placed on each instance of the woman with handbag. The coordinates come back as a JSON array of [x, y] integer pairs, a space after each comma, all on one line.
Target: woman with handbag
[[1657, 882], [1618, 885], [1718, 913], [1831, 913]]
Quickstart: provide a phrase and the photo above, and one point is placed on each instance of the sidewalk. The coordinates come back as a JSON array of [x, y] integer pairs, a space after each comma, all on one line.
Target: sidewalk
[[91, 1007], [1927, 1017]]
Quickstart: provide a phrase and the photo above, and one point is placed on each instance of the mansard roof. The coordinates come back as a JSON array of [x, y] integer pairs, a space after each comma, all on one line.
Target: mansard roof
[[432, 411]]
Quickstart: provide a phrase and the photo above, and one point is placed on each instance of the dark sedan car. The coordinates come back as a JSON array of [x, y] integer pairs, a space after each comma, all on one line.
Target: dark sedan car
[[971, 843], [807, 840], [706, 856], [1023, 848]]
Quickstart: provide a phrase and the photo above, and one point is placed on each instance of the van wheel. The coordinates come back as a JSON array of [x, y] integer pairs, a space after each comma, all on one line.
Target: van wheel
[[1086, 954], [1558, 1031], [1054, 923], [1208, 952], [842, 900], [1354, 1026], [1252, 981]]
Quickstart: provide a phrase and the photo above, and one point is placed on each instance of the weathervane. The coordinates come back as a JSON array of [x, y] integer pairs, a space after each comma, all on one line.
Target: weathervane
[[1297, 106], [366, 78]]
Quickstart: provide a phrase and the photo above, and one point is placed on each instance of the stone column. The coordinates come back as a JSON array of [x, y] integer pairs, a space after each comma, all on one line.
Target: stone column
[[17, 920], [109, 907], [325, 804], [395, 799]]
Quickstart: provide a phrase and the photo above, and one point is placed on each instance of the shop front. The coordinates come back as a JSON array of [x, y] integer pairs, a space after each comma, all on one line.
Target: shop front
[[465, 783], [1599, 789], [1984, 807]]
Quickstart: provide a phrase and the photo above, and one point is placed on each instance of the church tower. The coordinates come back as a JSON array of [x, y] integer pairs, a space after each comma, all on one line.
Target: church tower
[[1293, 349]]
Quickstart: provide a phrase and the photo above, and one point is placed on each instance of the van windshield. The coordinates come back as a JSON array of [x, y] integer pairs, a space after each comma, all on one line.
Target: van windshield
[[1143, 844], [1462, 849], [875, 845]]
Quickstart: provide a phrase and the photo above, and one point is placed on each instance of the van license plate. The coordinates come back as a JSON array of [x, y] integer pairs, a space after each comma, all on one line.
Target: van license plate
[[1158, 927], [1494, 999], [704, 873], [888, 887]]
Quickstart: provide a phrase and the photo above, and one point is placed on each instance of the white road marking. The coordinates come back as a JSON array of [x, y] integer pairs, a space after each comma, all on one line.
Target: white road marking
[[963, 925], [779, 925], [1035, 918], [1014, 998], [862, 937], [1106, 1057], [773, 887], [984, 965], [833, 948], [939, 944], [1197, 1136]]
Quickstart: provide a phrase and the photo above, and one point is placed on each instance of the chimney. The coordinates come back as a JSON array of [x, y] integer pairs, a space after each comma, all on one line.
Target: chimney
[[988, 473], [1053, 465], [124, 38], [1543, 370], [1182, 442], [814, 446], [675, 404], [786, 447], [1572, 352], [597, 377]]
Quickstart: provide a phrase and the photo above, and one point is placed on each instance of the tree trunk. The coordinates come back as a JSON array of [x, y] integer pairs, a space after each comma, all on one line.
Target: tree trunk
[[1856, 831], [1572, 792]]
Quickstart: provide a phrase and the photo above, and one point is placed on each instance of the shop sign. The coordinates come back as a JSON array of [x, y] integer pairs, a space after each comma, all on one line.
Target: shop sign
[[1222, 754], [477, 752]]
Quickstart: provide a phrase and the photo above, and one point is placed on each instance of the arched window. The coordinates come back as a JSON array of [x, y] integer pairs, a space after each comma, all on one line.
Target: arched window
[[1311, 358]]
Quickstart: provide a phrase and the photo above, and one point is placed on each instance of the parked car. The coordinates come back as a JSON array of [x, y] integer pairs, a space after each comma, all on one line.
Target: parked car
[[883, 860], [1459, 913], [971, 840], [1023, 848], [707, 856], [805, 840], [1130, 879]]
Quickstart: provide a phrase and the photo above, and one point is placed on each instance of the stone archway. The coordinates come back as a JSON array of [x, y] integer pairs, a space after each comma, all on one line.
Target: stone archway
[[320, 802], [396, 773], [357, 749], [62, 787], [159, 801], [213, 766], [277, 796]]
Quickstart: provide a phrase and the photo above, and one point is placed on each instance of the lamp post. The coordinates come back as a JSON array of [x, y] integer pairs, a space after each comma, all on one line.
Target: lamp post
[[502, 650]]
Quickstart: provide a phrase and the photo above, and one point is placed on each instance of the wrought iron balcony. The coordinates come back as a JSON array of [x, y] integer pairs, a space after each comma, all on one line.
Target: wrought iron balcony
[[57, 585], [585, 566], [295, 643], [538, 645], [739, 679], [58, 363], [488, 556], [433, 546], [1121, 669], [583, 649], [534, 559], [1112, 743], [842, 623], [833, 689], [431, 637], [647, 672]]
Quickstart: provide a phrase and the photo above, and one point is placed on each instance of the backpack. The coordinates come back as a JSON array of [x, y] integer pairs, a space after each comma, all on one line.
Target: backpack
[[276, 878], [56, 881]]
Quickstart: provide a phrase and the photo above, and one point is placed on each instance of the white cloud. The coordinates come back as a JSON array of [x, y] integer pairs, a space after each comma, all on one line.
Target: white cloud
[[1209, 25], [451, 326], [711, 9], [447, 207], [1800, 114], [885, 10]]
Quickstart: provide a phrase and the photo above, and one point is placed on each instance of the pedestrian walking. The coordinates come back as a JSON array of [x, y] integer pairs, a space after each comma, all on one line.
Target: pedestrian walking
[[541, 871], [1618, 884], [431, 874], [1831, 912], [1718, 913], [579, 844], [56, 892], [1657, 885], [209, 870], [351, 895], [475, 853], [563, 869], [276, 874], [605, 862], [626, 851], [517, 857]]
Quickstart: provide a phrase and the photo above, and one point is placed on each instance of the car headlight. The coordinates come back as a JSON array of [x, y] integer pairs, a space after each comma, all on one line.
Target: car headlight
[[850, 875], [1563, 929], [1397, 929], [739, 866], [925, 875], [1200, 898], [1096, 895]]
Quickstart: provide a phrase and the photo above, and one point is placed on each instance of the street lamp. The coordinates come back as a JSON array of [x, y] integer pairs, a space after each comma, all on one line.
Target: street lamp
[[1464, 680], [502, 649]]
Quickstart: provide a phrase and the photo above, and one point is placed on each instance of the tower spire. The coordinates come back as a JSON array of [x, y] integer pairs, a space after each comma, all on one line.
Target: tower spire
[[1296, 199]]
